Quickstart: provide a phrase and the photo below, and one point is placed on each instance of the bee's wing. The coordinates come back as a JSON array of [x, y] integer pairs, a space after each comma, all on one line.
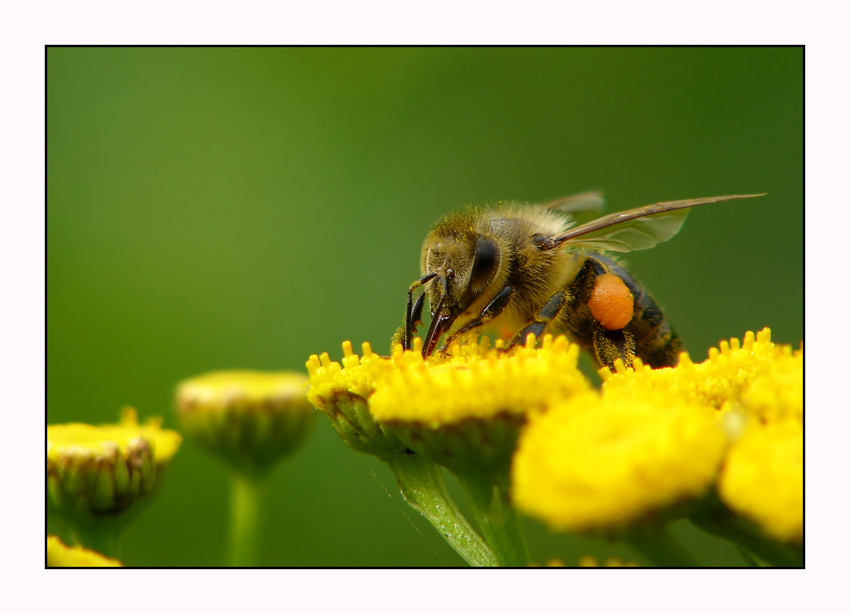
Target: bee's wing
[[639, 228], [580, 207]]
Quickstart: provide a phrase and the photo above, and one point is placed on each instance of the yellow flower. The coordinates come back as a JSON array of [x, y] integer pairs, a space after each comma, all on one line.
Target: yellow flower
[[757, 387], [722, 378], [464, 410], [646, 448], [777, 393], [341, 392], [60, 555], [762, 478], [98, 470], [601, 463], [437, 405], [249, 419]]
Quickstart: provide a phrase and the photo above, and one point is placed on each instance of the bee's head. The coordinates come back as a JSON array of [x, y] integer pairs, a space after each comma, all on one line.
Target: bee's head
[[464, 264]]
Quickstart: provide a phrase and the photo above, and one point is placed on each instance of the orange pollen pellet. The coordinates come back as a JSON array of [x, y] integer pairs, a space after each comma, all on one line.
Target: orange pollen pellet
[[611, 302]]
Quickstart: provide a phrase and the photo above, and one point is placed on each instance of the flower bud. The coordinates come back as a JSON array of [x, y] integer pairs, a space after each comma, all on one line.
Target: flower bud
[[96, 471], [248, 419]]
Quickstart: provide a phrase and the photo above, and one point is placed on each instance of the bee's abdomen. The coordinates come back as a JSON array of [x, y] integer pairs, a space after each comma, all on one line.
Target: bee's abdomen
[[656, 343]]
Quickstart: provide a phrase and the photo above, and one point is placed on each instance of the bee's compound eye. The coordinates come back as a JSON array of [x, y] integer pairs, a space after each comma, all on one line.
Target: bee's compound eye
[[486, 255], [611, 302]]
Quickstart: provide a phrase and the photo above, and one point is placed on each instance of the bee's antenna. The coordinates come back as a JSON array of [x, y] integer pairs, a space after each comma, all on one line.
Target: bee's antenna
[[414, 313]]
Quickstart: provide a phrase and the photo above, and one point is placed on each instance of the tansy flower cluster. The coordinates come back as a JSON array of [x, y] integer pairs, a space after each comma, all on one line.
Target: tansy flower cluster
[[718, 441], [757, 387]]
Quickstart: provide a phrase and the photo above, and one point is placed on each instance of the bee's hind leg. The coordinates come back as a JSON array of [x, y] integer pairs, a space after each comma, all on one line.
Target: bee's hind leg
[[609, 345], [547, 313]]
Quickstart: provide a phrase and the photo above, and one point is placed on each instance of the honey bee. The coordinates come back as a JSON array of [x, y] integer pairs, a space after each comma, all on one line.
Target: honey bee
[[534, 269]]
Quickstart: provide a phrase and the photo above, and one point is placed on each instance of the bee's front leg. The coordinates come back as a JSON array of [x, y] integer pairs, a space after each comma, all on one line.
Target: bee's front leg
[[493, 308], [413, 314]]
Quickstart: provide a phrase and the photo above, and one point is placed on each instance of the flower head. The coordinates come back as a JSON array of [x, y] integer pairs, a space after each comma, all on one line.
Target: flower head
[[103, 470], [776, 394], [762, 479], [342, 392], [757, 387], [606, 462], [60, 555], [249, 419], [464, 410], [464, 406], [729, 371]]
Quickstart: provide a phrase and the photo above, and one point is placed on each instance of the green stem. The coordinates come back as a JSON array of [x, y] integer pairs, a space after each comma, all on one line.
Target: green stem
[[496, 517], [249, 498], [422, 486], [749, 559], [660, 547]]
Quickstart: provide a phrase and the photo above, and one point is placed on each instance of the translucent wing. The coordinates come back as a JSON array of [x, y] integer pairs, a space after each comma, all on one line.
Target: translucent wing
[[580, 207], [639, 228], [636, 234]]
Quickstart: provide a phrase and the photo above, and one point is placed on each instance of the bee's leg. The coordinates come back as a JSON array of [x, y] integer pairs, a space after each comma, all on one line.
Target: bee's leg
[[609, 345], [413, 314], [404, 335], [494, 308], [548, 313], [416, 317]]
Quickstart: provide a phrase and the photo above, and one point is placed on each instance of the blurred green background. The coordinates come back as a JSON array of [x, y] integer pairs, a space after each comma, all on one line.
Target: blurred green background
[[217, 208]]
